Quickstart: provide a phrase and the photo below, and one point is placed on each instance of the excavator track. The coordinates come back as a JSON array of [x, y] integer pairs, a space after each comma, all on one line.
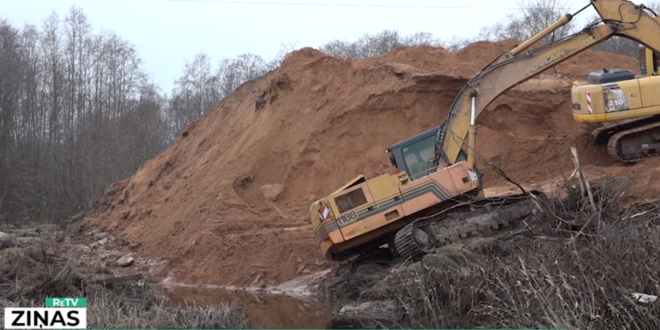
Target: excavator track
[[481, 218], [635, 144], [632, 140], [605, 133]]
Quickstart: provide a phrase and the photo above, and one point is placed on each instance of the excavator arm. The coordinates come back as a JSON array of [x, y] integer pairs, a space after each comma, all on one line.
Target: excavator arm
[[617, 18]]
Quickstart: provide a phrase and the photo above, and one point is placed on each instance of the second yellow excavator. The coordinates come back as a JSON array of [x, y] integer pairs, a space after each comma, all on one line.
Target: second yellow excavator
[[631, 103], [436, 193]]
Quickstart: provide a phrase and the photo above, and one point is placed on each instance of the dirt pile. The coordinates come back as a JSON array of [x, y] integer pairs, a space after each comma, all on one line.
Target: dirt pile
[[228, 203]]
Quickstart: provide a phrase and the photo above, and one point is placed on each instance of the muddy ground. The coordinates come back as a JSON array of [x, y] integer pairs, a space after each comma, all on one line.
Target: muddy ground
[[38, 261], [570, 266]]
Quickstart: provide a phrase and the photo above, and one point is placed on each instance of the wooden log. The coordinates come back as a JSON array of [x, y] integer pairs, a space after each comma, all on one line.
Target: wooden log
[[582, 179]]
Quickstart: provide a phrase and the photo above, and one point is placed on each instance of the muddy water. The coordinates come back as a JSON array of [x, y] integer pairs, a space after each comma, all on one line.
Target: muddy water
[[275, 308]]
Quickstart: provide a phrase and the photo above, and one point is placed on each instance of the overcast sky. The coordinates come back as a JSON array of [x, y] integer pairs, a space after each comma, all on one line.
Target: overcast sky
[[169, 32]]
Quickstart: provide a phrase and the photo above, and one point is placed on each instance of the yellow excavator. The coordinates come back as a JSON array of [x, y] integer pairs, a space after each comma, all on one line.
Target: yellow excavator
[[436, 197], [632, 104]]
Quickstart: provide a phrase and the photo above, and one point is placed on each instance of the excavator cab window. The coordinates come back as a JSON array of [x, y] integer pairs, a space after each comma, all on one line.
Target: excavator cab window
[[417, 156], [656, 62]]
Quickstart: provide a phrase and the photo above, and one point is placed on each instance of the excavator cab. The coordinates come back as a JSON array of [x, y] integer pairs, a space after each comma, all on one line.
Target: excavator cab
[[412, 154], [415, 155]]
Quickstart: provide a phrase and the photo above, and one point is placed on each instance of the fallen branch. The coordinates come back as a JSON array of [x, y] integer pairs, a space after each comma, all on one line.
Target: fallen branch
[[582, 179], [116, 279]]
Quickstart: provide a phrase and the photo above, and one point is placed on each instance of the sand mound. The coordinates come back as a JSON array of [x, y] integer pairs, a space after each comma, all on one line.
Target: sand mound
[[228, 202]]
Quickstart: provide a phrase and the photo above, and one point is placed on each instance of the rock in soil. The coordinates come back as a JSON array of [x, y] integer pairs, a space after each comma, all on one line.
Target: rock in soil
[[125, 261], [7, 241]]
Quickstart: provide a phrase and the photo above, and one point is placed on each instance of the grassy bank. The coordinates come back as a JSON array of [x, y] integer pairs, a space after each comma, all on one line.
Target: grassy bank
[[31, 272], [570, 267]]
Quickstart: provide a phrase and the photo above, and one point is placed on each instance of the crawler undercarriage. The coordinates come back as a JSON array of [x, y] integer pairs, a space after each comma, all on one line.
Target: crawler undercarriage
[[631, 140], [487, 217]]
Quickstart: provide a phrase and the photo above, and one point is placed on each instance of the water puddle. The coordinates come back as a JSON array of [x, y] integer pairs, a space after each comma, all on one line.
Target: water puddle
[[290, 305]]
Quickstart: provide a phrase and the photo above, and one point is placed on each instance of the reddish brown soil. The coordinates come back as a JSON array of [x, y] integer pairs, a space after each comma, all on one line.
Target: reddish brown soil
[[323, 121]]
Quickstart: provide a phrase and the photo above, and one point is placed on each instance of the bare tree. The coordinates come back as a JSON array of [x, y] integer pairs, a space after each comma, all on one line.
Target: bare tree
[[285, 48], [531, 17], [421, 39], [456, 43], [11, 68], [72, 106], [369, 45]]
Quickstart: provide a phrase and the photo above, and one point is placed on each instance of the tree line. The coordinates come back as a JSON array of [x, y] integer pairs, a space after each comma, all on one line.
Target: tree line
[[78, 111]]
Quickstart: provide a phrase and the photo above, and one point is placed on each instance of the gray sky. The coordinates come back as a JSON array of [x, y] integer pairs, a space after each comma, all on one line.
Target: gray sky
[[169, 32]]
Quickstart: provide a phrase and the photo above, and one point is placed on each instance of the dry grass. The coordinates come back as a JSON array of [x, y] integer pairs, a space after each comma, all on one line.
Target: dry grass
[[572, 268], [29, 274]]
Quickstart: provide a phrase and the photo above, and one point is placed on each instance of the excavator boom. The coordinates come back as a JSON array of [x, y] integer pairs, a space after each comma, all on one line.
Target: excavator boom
[[618, 18]]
